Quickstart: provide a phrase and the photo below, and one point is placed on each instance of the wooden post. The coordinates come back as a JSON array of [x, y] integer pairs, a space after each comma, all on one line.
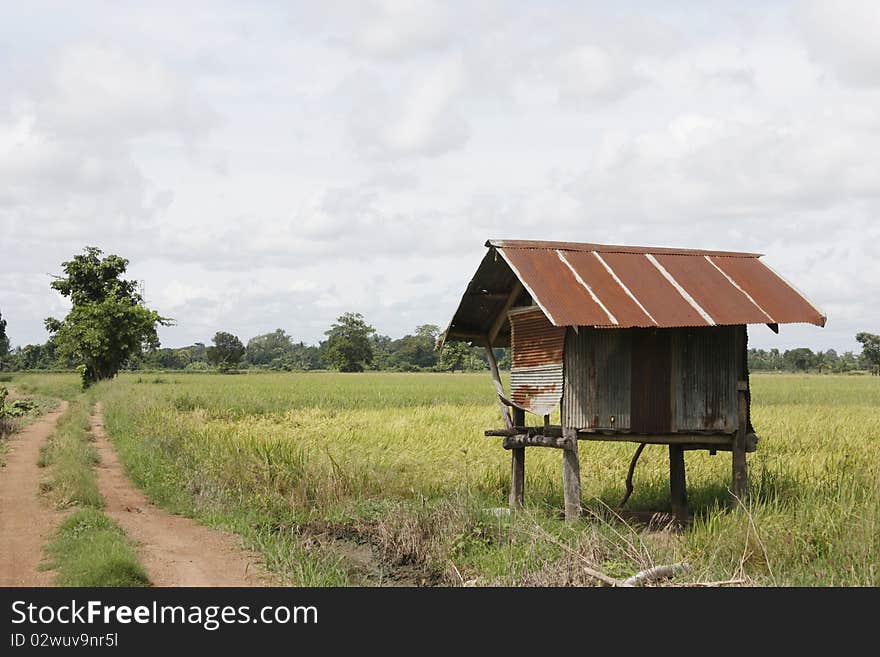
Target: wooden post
[[496, 379], [678, 483], [518, 465], [740, 467], [501, 318], [571, 476]]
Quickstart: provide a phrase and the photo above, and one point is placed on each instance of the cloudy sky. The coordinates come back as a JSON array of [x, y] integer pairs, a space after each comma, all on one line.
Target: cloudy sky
[[270, 165]]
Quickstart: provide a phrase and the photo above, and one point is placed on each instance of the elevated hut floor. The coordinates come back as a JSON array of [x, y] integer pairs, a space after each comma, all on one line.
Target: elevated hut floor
[[552, 436], [518, 437]]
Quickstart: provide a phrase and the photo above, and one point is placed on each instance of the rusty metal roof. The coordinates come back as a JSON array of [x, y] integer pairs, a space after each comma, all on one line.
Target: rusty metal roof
[[577, 284]]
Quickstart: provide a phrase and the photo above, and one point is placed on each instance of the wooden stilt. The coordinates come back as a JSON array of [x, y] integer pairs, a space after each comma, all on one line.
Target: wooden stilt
[[678, 483], [571, 477], [518, 466], [740, 485], [496, 379]]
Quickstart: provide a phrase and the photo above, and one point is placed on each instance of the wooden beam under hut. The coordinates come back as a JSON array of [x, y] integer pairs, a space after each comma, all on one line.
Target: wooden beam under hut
[[531, 437], [525, 440]]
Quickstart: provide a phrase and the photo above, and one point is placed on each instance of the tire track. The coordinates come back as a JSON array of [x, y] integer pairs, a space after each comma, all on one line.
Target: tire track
[[26, 520], [175, 551]]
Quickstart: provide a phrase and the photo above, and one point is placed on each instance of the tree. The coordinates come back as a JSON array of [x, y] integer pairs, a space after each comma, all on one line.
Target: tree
[[800, 359], [226, 352], [108, 322], [4, 340], [870, 350], [415, 352], [382, 347], [348, 346], [459, 356], [269, 347], [428, 331], [302, 357]]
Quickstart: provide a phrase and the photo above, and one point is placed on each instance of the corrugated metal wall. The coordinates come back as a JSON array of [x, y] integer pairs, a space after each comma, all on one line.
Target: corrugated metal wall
[[597, 378], [651, 397], [705, 367], [686, 379], [536, 374]]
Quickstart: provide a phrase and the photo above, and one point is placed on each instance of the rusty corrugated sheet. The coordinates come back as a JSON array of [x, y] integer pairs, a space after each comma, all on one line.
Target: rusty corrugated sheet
[[770, 291], [665, 305], [711, 289], [650, 389], [628, 311], [704, 367], [536, 374], [624, 286], [610, 248], [555, 288], [651, 380]]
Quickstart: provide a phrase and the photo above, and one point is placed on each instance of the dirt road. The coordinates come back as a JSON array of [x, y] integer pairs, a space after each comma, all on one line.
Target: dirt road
[[26, 520], [174, 550]]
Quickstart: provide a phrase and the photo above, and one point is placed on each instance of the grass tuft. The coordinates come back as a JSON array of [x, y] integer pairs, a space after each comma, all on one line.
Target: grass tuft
[[89, 549], [71, 480]]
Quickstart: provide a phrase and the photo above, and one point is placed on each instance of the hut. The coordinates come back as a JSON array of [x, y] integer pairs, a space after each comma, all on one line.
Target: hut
[[638, 344]]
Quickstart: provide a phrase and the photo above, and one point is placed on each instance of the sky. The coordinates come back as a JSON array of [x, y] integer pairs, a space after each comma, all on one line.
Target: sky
[[273, 165]]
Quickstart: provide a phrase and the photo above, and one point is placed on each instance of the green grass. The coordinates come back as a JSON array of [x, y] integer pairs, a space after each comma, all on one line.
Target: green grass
[[70, 457], [11, 424], [89, 549], [57, 386], [376, 478]]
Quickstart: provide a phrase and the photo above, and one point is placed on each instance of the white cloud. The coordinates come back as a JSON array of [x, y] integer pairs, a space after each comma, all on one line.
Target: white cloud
[[276, 168], [588, 74], [717, 167], [395, 27], [418, 116], [107, 93], [844, 36]]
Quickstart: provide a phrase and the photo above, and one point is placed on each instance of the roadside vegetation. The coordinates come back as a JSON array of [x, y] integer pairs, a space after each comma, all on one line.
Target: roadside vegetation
[[16, 411]]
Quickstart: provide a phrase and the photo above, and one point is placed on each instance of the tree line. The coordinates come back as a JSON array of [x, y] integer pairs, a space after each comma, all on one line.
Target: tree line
[[351, 345], [110, 328], [804, 359]]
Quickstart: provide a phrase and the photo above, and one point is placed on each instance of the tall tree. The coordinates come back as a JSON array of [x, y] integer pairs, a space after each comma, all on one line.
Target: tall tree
[[4, 340], [269, 347], [226, 352], [415, 352], [348, 346], [429, 332], [459, 356], [800, 359], [870, 349], [108, 322]]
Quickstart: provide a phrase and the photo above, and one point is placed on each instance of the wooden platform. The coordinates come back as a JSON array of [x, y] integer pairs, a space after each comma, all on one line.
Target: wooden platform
[[552, 436]]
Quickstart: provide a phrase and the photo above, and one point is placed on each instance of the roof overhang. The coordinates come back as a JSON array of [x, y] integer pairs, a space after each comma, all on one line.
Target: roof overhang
[[610, 286]]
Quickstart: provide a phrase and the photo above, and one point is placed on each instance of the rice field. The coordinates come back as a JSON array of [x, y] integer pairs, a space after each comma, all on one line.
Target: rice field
[[377, 479]]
